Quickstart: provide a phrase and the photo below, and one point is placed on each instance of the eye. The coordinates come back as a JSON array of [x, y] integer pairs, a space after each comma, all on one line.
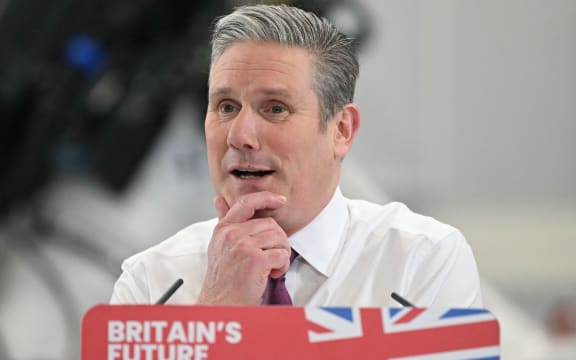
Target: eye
[[275, 111], [227, 108]]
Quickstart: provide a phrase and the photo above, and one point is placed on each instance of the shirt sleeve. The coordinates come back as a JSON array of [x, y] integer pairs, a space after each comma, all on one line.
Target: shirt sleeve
[[131, 288], [444, 274]]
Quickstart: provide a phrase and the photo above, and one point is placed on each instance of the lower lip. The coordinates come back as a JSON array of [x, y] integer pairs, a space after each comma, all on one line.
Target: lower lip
[[252, 181]]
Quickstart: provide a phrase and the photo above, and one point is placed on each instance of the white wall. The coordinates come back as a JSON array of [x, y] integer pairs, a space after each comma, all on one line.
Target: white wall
[[469, 115], [470, 106]]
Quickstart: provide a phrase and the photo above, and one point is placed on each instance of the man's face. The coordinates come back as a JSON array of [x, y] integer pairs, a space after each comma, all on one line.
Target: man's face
[[263, 131]]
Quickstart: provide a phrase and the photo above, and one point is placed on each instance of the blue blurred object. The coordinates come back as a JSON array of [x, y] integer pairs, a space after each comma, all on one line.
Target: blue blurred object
[[85, 54], [70, 157]]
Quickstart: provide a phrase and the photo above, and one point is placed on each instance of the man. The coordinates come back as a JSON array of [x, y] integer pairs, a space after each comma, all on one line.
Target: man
[[280, 120]]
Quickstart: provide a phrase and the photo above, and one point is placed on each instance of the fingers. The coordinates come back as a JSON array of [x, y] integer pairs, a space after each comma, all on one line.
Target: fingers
[[247, 205], [244, 250], [259, 233], [268, 239], [254, 239], [275, 252], [279, 262], [238, 270]]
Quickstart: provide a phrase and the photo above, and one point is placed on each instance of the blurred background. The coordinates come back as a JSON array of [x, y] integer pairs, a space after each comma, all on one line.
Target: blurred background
[[468, 115]]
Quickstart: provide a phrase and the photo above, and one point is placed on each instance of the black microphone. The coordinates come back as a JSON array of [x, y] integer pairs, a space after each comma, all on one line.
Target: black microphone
[[171, 290], [401, 300]]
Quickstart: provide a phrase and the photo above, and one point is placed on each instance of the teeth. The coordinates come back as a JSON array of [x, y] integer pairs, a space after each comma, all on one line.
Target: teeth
[[250, 174]]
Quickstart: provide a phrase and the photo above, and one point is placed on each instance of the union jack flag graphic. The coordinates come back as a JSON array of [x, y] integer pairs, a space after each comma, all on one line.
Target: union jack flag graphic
[[408, 319], [417, 334], [333, 323]]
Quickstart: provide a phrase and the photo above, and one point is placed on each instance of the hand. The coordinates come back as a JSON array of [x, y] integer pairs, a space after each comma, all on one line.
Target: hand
[[244, 251]]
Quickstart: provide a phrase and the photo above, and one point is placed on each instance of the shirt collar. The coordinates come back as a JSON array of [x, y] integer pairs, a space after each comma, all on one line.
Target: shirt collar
[[318, 242]]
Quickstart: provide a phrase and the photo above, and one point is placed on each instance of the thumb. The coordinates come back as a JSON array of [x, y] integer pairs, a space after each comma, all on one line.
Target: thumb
[[221, 206]]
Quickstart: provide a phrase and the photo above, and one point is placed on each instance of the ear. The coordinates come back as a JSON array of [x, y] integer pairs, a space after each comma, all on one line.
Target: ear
[[346, 127]]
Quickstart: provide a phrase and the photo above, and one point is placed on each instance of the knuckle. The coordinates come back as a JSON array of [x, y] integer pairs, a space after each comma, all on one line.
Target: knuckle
[[243, 247], [244, 201], [279, 232], [226, 232], [230, 234], [270, 223], [220, 227]]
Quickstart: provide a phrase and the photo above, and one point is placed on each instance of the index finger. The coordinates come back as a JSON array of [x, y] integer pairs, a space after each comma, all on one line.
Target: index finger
[[247, 205]]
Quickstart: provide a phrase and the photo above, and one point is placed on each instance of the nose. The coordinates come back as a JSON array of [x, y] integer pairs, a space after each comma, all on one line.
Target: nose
[[243, 132]]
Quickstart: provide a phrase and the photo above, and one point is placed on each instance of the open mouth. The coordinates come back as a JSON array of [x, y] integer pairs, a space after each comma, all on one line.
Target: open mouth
[[250, 174]]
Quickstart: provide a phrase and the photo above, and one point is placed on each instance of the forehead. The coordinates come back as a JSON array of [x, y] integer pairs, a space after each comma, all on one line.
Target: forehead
[[265, 63]]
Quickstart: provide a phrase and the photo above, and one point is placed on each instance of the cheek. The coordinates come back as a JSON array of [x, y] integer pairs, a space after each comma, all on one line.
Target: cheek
[[287, 146], [216, 134], [308, 155], [215, 146]]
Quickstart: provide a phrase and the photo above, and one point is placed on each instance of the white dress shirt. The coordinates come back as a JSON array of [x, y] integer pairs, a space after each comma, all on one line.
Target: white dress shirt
[[354, 253]]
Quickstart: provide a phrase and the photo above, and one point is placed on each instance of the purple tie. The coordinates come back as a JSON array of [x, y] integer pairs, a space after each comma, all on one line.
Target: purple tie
[[276, 292]]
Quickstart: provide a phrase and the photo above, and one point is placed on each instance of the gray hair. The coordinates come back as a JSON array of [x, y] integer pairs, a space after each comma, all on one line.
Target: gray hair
[[335, 66]]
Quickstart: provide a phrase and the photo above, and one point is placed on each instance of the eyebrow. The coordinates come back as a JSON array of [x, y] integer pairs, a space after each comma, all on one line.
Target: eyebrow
[[226, 91], [220, 92], [275, 92]]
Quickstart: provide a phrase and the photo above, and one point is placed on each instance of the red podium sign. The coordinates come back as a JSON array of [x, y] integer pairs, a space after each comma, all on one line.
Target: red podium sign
[[152, 332]]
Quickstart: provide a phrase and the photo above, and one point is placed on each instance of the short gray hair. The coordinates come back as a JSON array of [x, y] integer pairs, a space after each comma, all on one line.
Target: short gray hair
[[335, 67]]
